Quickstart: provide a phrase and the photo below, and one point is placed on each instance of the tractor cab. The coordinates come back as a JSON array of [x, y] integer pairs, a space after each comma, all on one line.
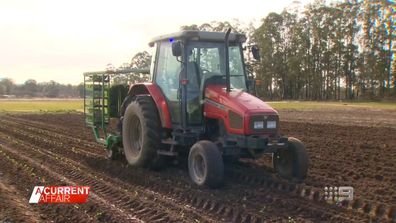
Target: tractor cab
[[186, 62]]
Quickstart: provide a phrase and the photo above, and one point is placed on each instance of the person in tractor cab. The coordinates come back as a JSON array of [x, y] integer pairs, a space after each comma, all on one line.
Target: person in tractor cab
[[193, 91]]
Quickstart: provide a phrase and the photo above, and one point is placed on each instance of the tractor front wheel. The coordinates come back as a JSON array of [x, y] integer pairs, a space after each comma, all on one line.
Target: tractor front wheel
[[205, 164], [292, 162]]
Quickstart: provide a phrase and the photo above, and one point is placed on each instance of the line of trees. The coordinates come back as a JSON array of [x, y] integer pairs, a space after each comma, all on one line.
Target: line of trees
[[339, 51], [344, 50], [141, 60], [31, 88]]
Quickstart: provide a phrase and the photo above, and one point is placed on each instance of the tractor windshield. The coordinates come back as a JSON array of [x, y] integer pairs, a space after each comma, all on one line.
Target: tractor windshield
[[207, 59]]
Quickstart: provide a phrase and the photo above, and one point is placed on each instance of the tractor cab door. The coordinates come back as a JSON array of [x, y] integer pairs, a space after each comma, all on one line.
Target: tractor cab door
[[206, 62], [166, 76], [194, 108], [203, 60]]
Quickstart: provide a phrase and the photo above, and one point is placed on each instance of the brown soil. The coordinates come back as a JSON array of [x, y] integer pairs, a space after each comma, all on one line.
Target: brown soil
[[56, 149], [345, 117]]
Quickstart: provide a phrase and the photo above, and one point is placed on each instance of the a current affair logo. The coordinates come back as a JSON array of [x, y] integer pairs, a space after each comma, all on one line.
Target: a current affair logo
[[59, 194]]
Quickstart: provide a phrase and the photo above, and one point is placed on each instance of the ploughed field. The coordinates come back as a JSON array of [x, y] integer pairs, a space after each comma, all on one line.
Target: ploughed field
[[56, 149]]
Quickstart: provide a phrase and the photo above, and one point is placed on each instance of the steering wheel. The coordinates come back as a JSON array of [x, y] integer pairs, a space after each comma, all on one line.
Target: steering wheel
[[205, 71]]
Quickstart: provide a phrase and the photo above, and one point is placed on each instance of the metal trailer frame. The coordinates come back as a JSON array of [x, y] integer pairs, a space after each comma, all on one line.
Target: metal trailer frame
[[96, 103]]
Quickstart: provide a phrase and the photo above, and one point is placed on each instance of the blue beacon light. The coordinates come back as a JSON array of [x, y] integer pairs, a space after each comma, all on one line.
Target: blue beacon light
[[170, 40]]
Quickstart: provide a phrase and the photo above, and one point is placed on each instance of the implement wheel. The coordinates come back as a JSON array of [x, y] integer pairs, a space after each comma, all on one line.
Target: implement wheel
[[205, 164], [292, 162], [113, 153], [141, 132]]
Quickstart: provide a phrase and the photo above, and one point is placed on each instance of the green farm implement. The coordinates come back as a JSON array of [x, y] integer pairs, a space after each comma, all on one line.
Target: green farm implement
[[104, 92]]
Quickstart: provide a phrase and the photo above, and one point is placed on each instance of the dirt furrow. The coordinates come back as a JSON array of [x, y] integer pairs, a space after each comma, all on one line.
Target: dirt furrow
[[25, 175], [106, 183], [13, 204], [60, 134], [101, 192], [237, 212], [251, 193], [194, 200]]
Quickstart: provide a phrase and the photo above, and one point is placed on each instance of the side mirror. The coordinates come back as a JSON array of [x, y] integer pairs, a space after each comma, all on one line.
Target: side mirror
[[177, 48], [256, 53]]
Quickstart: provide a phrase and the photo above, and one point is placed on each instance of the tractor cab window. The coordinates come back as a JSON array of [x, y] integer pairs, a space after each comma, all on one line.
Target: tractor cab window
[[206, 60], [237, 77], [168, 70], [167, 78], [209, 59]]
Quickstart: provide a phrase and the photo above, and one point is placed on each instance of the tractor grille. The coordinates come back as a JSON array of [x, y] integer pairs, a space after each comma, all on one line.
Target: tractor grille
[[236, 121], [265, 119]]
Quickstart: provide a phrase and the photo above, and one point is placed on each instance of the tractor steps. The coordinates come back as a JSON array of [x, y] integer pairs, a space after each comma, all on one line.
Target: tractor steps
[[167, 153], [169, 142]]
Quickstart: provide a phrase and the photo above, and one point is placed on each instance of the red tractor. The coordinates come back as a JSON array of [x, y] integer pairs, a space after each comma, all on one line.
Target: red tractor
[[196, 103]]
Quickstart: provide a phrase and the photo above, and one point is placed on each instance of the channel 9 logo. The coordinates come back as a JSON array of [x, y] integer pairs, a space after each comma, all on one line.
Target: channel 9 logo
[[339, 194]]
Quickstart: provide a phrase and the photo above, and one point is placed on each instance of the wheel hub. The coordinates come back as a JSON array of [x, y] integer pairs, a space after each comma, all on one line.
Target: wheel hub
[[199, 167], [136, 135]]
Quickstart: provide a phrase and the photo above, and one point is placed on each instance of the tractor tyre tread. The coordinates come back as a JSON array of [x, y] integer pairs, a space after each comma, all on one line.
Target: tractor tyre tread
[[144, 107], [300, 161], [214, 176]]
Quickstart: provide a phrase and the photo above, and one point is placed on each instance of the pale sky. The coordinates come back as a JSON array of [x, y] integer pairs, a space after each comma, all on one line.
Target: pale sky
[[59, 40]]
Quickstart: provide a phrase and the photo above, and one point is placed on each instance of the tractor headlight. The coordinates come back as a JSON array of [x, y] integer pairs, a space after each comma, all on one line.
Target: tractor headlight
[[271, 124], [258, 125], [264, 123]]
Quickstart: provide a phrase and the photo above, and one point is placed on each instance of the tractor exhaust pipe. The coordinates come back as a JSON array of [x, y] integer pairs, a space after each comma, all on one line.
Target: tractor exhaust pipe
[[227, 60]]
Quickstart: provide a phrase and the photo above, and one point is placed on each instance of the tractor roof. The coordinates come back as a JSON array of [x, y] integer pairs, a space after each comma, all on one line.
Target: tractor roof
[[199, 35]]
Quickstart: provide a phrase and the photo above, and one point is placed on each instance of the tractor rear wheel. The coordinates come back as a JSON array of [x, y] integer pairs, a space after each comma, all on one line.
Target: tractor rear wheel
[[292, 162], [205, 164], [141, 132]]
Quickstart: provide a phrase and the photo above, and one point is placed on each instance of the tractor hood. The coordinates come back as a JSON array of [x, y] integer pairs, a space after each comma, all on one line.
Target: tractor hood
[[241, 112], [238, 101]]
